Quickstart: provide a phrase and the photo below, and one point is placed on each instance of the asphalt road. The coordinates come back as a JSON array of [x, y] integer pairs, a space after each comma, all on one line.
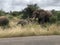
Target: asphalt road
[[34, 40]]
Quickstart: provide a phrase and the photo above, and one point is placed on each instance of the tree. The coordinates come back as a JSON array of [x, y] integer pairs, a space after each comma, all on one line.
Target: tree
[[27, 12]]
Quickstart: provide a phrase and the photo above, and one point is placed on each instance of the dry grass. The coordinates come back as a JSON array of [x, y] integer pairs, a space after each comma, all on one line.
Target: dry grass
[[29, 30]]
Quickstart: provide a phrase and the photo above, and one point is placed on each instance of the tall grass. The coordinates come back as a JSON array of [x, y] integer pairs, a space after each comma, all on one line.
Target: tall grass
[[29, 30]]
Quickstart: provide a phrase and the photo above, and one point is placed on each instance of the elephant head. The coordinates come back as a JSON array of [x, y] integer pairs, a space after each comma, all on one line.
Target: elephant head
[[42, 15]]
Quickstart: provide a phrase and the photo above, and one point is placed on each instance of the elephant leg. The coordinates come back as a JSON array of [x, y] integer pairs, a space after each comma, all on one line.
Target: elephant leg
[[41, 20], [47, 19]]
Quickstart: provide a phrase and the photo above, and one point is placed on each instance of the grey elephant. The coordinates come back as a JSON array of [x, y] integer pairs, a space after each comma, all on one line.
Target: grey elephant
[[22, 22], [4, 21], [42, 15]]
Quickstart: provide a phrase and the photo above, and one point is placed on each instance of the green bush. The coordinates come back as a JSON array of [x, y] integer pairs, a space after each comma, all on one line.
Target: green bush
[[10, 17], [20, 16], [2, 13], [58, 16], [53, 19]]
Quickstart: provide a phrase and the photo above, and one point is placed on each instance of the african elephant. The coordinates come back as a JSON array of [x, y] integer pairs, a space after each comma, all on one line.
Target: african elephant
[[4, 21], [22, 22], [42, 15]]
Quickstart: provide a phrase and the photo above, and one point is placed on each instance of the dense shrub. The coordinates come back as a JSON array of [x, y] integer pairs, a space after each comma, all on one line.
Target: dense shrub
[[55, 17], [58, 16], [15, 13], [2, 13], [10, 17]]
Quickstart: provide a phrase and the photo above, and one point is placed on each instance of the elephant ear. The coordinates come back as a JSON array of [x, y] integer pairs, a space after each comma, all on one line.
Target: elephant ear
[[35, 13], [49, 13]]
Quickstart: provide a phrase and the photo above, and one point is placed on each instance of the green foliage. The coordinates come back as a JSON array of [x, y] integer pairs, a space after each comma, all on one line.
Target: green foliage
[[2, 13], [20, 16], [55, 17], [15, 13], [10, 17], [58, 16]]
